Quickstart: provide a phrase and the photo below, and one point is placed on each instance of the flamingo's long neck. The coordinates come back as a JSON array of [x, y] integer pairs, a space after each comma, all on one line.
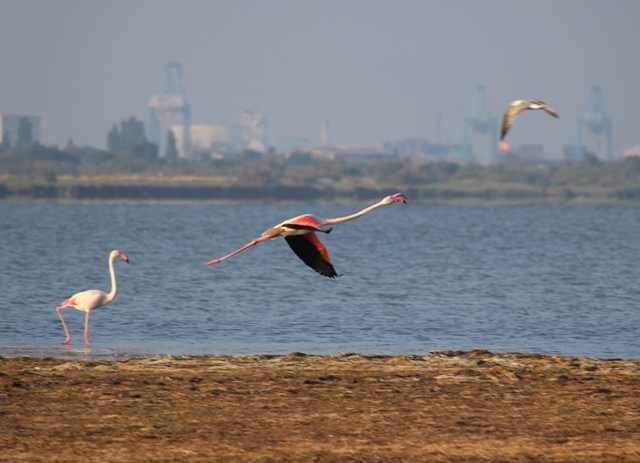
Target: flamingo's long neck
[[348, 218], [114, 286]]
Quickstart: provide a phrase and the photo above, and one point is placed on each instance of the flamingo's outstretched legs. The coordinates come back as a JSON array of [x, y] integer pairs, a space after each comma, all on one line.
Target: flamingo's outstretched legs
[[252, 243], [64, 325]]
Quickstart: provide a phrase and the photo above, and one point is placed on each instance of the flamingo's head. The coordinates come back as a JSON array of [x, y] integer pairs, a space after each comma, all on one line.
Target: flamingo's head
[[398, 197], [122, 255]]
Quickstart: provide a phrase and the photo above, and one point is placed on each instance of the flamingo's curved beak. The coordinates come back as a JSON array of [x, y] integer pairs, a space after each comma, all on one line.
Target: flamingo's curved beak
[[399, 197], [124, 257]]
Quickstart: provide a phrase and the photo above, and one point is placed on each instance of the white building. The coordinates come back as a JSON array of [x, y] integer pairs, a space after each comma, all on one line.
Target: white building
[[211, 139], [224, 139], [633, 151], [254, 131]]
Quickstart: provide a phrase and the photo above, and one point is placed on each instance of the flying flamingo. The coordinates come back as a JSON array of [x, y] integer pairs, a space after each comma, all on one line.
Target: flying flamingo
[[299, 233], [86, 301]]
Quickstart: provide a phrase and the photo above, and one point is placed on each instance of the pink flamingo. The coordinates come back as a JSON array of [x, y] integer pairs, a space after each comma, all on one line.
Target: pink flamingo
[[86, 301], [299, 233]]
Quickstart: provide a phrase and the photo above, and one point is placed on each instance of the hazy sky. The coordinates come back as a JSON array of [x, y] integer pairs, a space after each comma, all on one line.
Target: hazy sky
[[375, 69]]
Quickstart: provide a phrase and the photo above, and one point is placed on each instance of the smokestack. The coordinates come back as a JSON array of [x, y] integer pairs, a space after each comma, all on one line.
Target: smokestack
[[325, 132]]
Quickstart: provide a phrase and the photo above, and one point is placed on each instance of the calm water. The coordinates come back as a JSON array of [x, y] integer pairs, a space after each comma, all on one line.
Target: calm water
[[416, 278]]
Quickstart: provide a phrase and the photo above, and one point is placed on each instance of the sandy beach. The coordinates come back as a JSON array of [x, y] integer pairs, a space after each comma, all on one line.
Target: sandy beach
[[443, 406]]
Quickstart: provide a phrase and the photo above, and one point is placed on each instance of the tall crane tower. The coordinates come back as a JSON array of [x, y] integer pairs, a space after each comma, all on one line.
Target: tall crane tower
[[170, 108], [594, 117], [480, 120]]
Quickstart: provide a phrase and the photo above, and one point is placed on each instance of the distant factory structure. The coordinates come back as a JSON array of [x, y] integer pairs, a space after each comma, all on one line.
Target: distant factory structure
[[223, 140], [171, 112], [421, 151], [253, 126], [170, 119], [297, 150], [414, 151], [481, 121], [169, 109], [594, 118], [214, 139], [593, 121]]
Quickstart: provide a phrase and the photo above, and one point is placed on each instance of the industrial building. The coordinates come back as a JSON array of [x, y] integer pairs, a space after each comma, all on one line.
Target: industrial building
[[170, 111], [208, 140]]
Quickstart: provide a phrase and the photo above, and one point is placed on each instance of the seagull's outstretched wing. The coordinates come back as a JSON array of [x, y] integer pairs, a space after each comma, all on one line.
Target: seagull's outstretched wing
[[510, 115], [517, 107]]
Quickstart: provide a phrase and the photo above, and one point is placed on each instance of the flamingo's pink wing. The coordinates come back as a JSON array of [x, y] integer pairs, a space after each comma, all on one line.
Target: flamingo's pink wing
[[306, 222], [312, 252]]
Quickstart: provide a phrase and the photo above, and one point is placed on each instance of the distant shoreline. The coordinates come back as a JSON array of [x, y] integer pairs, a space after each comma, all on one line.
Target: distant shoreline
[[206, 190]]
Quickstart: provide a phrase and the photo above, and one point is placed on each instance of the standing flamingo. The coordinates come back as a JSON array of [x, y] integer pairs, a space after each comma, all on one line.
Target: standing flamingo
[[299, 233], [86, 301]]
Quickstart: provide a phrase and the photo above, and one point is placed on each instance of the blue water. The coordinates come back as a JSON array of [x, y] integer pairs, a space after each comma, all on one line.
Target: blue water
[[416, 278]]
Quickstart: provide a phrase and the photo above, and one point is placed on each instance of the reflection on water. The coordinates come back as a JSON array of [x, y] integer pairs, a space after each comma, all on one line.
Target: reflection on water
[[416, 278], [66, 352]]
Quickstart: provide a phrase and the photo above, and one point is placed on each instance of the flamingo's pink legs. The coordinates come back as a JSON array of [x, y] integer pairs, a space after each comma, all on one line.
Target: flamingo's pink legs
[[64, 325], [252, 243], [86, 330]]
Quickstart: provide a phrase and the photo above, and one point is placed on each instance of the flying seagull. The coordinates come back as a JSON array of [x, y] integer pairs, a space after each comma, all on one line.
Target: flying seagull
[[517, 107]]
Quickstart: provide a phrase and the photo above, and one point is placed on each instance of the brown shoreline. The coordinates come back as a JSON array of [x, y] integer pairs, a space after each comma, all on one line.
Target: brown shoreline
[[443, 406]]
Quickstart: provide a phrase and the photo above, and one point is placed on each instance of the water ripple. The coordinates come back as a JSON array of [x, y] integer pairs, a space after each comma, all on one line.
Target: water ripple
[[556, 280]]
